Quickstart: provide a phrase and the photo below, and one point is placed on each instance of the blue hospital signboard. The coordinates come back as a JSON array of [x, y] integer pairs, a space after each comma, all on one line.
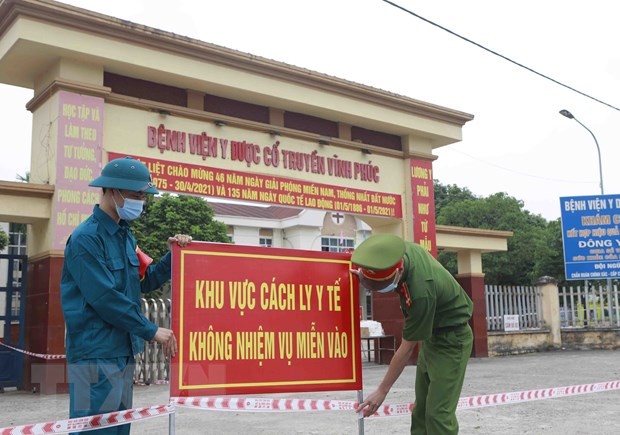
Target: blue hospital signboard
[[591, 236]]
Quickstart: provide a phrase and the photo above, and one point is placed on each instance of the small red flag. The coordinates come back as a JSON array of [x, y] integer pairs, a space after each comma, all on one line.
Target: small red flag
[[144, 260]]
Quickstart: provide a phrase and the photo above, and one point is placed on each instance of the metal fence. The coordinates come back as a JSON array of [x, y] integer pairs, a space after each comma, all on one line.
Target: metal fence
[[522, 301], [151, 365], [589, 306]]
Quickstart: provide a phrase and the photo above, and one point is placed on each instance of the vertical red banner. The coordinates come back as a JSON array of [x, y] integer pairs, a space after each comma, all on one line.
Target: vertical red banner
[[78, 162], [423, 199], [263, 320]]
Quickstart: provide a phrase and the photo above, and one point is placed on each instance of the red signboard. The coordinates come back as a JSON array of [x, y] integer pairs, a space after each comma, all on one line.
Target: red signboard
[[423, 196], [263, 320], [221, 183], [78, 162]]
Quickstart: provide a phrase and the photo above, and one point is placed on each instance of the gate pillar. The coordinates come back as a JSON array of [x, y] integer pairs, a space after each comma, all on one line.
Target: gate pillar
[[45, 327], [472, 280]]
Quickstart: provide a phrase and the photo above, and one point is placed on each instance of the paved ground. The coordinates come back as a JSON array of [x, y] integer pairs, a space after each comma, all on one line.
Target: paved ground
[[586, 414]]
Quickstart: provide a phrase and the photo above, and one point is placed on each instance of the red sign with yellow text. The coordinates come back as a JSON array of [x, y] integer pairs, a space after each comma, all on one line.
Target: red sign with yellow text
[[263, 320], [423, 200], [185, 178]]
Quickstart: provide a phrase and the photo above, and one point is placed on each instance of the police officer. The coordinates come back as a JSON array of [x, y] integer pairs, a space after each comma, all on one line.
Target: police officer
[[103, 276], [436, 310]]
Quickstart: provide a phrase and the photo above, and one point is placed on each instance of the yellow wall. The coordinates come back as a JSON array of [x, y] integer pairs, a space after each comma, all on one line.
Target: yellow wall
[[53, 47]]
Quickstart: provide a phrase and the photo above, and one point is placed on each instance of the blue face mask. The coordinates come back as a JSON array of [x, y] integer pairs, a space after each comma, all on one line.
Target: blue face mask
[[131, 210], [389, 288], [393, 285]]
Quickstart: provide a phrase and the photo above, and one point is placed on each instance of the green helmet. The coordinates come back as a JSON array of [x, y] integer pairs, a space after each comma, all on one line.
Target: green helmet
[[125, 174]]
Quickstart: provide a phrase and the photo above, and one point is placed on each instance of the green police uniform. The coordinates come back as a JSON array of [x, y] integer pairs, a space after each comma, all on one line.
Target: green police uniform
[[436, 310]]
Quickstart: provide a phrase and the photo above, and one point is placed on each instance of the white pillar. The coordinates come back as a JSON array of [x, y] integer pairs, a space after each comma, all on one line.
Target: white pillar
[[550, 301]]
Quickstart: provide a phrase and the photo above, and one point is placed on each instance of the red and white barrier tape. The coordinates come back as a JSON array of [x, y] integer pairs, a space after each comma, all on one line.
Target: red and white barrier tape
[[484, 401], [530, 395], [38, 355], [258, 404], [294, 405], [290, 405], [91, 422], [47, 356]]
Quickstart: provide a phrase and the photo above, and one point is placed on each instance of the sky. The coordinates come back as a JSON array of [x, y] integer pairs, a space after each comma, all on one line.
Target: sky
[[517, 143]]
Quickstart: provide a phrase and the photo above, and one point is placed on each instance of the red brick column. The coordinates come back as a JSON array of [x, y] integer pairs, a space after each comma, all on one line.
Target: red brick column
[[386, 310], [45, 327], [474, 286]]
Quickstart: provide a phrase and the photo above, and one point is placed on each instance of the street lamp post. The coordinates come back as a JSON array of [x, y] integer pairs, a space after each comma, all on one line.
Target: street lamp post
[[600, 165], [569, 115]]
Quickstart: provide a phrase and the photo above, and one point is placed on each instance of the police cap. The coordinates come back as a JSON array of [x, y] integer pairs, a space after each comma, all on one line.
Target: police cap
[[379, 253]]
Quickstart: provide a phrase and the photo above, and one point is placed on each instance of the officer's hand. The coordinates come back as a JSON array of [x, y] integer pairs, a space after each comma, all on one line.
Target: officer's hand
[[372, 403], [167, 338], [181, 239]]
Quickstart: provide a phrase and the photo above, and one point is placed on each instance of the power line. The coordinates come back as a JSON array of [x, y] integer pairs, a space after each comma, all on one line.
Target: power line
[[556, 180], [500, 55]]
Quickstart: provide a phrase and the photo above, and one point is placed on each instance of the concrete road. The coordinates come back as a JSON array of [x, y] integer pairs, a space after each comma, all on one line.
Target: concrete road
[[586, 414]]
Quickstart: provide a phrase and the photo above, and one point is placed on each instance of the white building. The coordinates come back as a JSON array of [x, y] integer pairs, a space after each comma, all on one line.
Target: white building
[[296, 228], [287, 227]]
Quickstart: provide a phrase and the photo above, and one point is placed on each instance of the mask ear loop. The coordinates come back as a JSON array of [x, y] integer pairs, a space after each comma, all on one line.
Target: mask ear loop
[[399, 274], [114, 199]]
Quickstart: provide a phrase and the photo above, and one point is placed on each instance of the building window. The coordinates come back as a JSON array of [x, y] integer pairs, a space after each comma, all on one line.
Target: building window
[[265, 237], [230, 232], [17, 239], [16, 300], [336, 244]]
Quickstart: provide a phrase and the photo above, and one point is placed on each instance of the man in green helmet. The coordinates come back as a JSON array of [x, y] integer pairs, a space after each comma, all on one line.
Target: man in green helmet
[[437, 311], [103, 276]]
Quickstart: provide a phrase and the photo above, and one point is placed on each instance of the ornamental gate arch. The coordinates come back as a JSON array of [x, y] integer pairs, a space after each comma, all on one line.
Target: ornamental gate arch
[[208, 121]]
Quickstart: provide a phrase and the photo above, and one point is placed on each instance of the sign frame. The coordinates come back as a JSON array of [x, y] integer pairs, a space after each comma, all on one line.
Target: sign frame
[[591, 236], [245, 366]]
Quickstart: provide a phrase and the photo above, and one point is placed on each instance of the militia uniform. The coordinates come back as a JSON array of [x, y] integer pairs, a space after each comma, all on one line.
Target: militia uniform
[[436, 310], [103, 276]]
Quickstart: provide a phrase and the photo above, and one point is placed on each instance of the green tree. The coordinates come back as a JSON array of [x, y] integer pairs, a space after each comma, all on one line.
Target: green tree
[[550, 259], [502, 212], [446, 194], [4, 240], [23, 178], [449, 194], [168, 215]]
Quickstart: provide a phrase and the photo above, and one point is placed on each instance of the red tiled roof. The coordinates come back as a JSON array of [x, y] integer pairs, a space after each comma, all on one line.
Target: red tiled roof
[[252, 211]]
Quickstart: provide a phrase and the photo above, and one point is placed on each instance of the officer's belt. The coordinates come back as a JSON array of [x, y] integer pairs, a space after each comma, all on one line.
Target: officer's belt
[[444, 329]]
